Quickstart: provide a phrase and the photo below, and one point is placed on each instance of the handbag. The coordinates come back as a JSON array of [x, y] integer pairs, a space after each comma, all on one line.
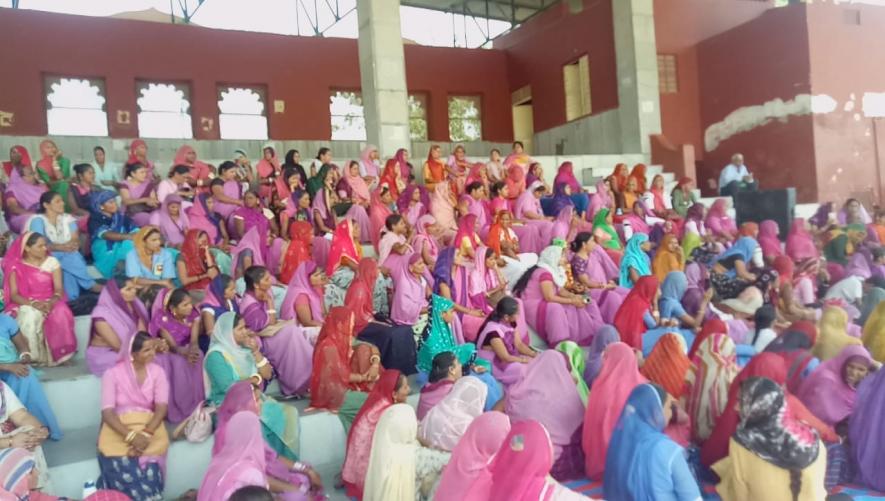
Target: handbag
[[198, 426]]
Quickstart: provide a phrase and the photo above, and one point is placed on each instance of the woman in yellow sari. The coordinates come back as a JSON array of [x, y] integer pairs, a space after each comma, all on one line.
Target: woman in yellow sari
[[874, 333], [833, 334]]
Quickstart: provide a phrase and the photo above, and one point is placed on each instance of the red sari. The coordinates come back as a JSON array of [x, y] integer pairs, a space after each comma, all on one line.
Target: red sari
[[300, 249], [359, 294], [197, 259], [334, 360], [629, 317]]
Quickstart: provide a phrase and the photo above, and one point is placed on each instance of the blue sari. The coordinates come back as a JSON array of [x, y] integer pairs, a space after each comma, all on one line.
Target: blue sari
[[27, 388], [636, 258], [75, 275], [107, 253]]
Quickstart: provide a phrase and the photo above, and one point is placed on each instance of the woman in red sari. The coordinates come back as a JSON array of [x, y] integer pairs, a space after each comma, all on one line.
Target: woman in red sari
[[338, 367], [196, 266], [392, 178], [300, 249], [633, 318], [268, 171], [138, 154], [392, 388]]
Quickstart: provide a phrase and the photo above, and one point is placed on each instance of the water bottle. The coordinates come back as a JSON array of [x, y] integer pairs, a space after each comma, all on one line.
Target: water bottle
[[89, 488]]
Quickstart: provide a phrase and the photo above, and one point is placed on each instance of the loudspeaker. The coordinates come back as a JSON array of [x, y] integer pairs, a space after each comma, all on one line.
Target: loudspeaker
[[757, 206]]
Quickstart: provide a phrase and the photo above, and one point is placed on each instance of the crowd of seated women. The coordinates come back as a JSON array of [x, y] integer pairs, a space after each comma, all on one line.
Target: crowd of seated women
[[628, 335]]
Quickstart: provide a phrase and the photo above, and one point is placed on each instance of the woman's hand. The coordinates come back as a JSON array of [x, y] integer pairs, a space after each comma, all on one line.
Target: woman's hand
[[316, 482], [23, 441], [373, 373], [20, 370], [140, 443], [212, 272], [192, 354]]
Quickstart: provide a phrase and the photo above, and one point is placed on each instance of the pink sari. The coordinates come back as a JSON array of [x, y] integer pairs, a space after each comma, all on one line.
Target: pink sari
[[200, 171], [378, 213], [443, 209], [423, 239], [240, 463], [36, 283], [232, 189]]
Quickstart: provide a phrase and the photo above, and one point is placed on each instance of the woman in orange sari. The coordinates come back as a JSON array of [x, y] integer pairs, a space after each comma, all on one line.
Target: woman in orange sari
[[639, 173], [434, 168]]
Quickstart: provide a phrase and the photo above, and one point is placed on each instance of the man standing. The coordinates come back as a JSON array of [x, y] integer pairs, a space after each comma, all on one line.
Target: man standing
[[735, 177]]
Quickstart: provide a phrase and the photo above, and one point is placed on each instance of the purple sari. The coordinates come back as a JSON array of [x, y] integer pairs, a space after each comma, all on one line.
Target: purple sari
[[555, 322], [866, 432], [300, 286], [122, 317], [173, 230], [600, 269], [289, 351], [139, 213], [231, 189], [26, 195], [186, 389], [505, 372]]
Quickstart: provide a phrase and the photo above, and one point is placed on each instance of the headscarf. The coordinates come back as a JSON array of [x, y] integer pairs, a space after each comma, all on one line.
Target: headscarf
[[330, 377], [516, 181], [25, 161], [468, 468], [405, 199], [566, 174], [290, 164], [389, 177], [214, 299], [749, 229], [874, 331], [800, 244], [858, 266], [223, 342], [575, 357], [442, 207], [637, 221], [672, 291], [497, 232], [834, 335], [199, 170], [300, 285], [549, 261], [318, 181], [666, 261], [638, 173], [767, 365], [173, 230], [713, 368], [438, 337], [241, 460], [114, 310], [422, 236], [200, 218], [825, 391], [560, 200], [140, 244], [642, 455], [467, 229], [392, 464], [359, 439], [442, 269], [657, 194], [769, 430], [134, 146], [600, 199], [446, 422], [743, 248], [619, 177], [768, 239], [300, 243], [712, 326], [629, 317], [528, 202], [342, 247], [667, 364], [26, 194], [866, 433], [636, 258], [408, 292], [526, 450], [605, 336], [600, 223], [436, 166], [717, 220], [617, 379], [378, 214], [197, 259], [358, 187], [359, 294]]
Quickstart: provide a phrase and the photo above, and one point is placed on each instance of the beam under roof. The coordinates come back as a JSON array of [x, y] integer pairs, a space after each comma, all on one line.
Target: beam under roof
[[512, 11]]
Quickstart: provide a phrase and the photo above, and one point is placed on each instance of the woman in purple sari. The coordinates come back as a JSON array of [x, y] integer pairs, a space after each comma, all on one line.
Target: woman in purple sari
[[555, 313], [594, 269], [227, 190], [220, 298], [547, 393], [282, 342], [202, 217], [413, 203], [528, 211], [866, 433], [499, 342], [327, 208], [451, 281], [22, 197], [117, 316], [138, 194], [304, 299], [175, 320], [171, 220], [265, 244]]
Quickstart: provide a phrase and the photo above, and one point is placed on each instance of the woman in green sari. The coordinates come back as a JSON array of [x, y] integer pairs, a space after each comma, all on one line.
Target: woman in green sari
[[576, 362], [54, 170], [234, 356], [605, 234]]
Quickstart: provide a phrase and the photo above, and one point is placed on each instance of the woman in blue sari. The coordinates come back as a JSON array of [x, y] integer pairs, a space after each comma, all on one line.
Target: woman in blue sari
[[635, 262], [643, 464], [60, 229], [22, 379], [111, 232]]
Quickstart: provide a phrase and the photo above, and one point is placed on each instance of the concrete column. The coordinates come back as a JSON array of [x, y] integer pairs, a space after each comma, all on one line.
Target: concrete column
[[639, 106], [383, 75]]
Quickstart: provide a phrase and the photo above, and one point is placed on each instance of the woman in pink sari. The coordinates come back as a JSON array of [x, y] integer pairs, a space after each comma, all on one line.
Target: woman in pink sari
[[719, 223], [268, 169], [379, 210], [171, 220], [34, 295], [200, 171], [227, 190], [394, 242], [548, 394], [518, 157], [800, 245], [369, 168], [201, 216], [527, 210], [359, 190], [138, 194], [413, 203], [402, 160], [830, 390], [240, 463], [442, 207], [138, 154], [471, 456], [304, 298], [424, 240], [553, 312], [516, 183], [117, 316], [600, 200], [610, 390], [594, 269], [768, 240], [458, 167], [22, 197]]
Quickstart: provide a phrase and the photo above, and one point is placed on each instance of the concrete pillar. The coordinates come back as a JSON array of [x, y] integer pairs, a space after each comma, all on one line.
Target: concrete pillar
[[639, 104], [383, 75]]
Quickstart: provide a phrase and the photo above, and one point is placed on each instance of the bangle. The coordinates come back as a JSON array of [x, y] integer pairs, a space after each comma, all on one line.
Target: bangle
[[260, 379], [270, 311], [374, 359], [129, 437], [299, 467], [22, 356], [147, 433], [262, 363]]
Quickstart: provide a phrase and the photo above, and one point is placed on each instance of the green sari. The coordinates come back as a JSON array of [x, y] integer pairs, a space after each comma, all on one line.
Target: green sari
[[315, 183], [576, 361], [62, 185], [599, 221], [438, 337]]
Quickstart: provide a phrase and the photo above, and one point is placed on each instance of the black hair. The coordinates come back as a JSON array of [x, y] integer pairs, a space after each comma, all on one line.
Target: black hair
[[98, 148], [151, 232], [122, 280], [181, 170], [541, 187], [489, 252], [226, 166], [392, 220], [518, 143], [252, 192], [32, 240], [580, 239], [251, 493], [523, 282], [131, 168], [323, 151], [289, 172], [878, 252], [252, 276], [176, 297], [46, 198], [225, 280], [81, 169], [506, 306], [141, 337], [495, 150], [497, 187], [439, 369], [272, 151], [763, 319], [473, 186], [351, 164]]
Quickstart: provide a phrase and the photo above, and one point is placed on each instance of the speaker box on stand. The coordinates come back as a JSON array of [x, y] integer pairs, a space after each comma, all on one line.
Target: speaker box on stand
[[757, 206]]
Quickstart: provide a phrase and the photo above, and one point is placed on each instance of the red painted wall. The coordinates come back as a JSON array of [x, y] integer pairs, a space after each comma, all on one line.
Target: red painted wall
[[298, 70], [537, 51], [849, 146], [764, 59]]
